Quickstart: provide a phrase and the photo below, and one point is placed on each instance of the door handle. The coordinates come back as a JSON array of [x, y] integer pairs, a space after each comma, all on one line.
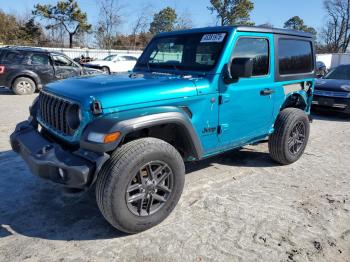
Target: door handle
[[267, 92]]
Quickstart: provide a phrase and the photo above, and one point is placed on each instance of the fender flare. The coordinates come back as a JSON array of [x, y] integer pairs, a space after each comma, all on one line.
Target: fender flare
[[109, 125]]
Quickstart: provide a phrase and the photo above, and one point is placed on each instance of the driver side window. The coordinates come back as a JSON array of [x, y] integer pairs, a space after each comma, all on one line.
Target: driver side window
[[258, 50], [59, 61]]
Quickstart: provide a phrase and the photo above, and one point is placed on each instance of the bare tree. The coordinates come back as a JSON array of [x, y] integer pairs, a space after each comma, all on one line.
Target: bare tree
[[140, 25], [184, 21], [109, 19], [336, 33]]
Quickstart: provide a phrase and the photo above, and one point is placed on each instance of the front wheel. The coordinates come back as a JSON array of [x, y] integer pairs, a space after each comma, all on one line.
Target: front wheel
[[289, 140], [106, 70], [140, 184]]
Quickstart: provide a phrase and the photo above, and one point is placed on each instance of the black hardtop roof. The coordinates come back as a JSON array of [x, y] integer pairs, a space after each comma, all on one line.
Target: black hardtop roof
[[241, 28]]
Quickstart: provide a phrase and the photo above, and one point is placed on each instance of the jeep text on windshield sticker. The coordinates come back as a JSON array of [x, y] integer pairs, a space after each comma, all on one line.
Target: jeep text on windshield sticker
[[217, 38]]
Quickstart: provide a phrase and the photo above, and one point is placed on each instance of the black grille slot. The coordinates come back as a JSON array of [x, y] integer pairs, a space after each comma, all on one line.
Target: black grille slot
[[53, 112]]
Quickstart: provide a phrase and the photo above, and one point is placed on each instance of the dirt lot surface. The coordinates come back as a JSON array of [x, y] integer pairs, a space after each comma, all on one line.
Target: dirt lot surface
[[239, 206]]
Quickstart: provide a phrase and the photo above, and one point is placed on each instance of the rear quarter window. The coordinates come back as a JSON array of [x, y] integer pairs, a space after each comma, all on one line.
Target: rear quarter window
[[295, 57], [13, 57]]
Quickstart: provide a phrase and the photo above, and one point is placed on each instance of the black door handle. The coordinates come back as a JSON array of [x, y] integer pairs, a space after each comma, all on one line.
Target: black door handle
[[267, 92]]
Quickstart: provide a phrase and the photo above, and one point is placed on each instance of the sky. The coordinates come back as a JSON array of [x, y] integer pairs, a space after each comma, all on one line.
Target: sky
[[275, 12]]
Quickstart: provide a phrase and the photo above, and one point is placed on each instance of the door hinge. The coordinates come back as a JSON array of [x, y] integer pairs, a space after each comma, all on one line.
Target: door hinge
[[224, 98], [219, 130], [222, 128]]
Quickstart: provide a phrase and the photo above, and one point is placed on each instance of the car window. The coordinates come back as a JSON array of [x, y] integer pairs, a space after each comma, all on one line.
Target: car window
[[295, 56], [256, 49], [121, 58], [14, 57], [59, 60], [39, 59], [200, 51], [130, 58], [110, 58], [339, 73]]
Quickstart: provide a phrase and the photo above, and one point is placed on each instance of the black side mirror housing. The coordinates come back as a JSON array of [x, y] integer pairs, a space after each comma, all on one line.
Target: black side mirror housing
[[241, 67]]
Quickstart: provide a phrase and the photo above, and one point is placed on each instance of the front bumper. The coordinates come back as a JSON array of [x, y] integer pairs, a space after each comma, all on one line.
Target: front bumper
[[49, 160], [342, 104]]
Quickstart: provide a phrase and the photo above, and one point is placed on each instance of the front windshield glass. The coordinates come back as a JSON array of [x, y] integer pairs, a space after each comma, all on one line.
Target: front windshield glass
[[110, 58], [340, 73], [193, 52]]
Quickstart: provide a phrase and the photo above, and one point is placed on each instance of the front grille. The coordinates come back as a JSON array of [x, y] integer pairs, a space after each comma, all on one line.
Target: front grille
[[332, 94], [53, 111]]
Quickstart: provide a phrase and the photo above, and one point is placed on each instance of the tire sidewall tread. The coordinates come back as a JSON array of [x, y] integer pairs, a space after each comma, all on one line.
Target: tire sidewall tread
[[114, 177]]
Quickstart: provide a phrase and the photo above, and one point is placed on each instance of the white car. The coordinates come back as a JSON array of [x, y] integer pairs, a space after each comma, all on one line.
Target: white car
[[115, 63]]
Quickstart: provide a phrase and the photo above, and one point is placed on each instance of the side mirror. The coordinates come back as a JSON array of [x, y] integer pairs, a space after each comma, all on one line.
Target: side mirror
[[240, 67]]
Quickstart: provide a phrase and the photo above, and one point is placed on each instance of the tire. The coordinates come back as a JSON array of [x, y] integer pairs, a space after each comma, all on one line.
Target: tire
[[23, 86], [124, 172], [288, 142], [106, 70]]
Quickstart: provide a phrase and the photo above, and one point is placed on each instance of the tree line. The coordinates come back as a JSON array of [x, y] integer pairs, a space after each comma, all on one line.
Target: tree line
[[65, 23]]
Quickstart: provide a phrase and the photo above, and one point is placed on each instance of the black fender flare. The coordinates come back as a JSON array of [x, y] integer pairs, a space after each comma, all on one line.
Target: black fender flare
[[109, 125]]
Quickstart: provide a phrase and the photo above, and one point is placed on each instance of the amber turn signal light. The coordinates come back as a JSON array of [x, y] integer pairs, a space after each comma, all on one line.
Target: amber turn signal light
[[109, 138]]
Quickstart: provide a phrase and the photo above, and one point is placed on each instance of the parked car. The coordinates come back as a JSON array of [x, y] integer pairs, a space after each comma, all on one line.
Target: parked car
[[321, 69], [114, 63], [333, 90], [193, 94], [26, 70]]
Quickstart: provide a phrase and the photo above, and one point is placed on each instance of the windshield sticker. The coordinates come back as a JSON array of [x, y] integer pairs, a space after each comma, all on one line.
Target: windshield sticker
[[209, 38]]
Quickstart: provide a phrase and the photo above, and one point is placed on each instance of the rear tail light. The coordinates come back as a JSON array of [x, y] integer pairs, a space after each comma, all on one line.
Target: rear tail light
[[2, 69]]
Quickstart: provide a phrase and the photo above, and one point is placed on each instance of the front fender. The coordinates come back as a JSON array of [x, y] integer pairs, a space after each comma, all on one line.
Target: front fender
[[131, 121]]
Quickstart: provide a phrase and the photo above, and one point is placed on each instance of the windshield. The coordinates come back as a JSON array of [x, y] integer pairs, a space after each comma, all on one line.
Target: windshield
[[110, 58], [193, 52], [340, 73]]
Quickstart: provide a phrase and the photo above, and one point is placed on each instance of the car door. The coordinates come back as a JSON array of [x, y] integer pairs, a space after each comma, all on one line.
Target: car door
[[65, 67], [40, 63], [246, 106], [123, 64]]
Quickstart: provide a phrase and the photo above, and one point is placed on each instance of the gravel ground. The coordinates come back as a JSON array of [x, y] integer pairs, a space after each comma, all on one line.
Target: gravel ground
[[239, 206]]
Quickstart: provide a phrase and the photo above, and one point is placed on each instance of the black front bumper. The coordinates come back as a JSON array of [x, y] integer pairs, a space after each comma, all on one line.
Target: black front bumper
[[49, 160]]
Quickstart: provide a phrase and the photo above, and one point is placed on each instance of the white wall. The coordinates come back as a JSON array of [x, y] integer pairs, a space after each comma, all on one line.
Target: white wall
[[94, 53], [333, 60]]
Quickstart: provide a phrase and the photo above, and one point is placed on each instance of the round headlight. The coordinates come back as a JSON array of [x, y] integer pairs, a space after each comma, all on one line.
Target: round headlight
[[73, 116]]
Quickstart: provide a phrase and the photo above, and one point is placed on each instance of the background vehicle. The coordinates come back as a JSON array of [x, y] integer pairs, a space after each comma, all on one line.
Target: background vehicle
[[333, 90], [321, 69], [114, 63], [193, 94], [25, 70]]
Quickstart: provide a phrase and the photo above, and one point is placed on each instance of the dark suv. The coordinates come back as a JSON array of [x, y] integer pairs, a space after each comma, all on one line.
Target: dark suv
[[25, 70]]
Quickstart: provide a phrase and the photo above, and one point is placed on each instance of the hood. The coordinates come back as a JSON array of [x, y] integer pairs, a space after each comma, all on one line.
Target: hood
[[333, 85], [120, 90]]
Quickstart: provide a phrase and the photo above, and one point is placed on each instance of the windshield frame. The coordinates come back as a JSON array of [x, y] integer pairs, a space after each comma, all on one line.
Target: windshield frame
[[142, 65]]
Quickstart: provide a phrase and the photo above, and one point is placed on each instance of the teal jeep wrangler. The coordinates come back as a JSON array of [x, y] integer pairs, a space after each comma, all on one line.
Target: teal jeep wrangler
[[192, 94]]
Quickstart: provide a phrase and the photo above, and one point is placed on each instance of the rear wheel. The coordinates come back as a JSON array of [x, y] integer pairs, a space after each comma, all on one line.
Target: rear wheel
[[288, 142], [140, 185], [23, 86]]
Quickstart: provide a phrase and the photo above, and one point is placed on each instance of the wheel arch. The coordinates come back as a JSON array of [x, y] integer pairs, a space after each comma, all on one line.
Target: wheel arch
[[172, 127], [29, 75], [295, 100]]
